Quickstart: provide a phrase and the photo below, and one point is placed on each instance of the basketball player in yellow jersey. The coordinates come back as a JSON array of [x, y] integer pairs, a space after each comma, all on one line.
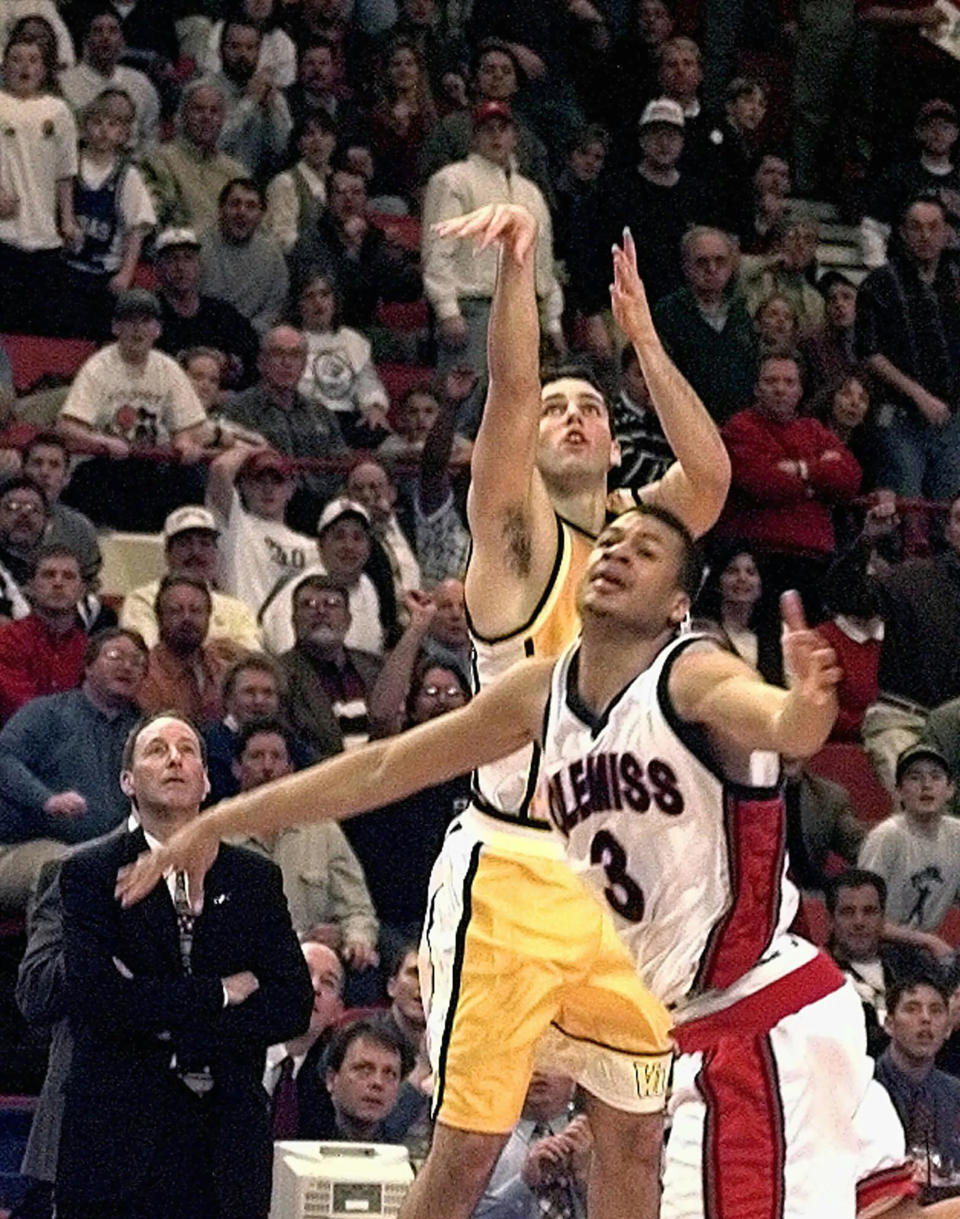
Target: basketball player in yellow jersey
[[514, 945]]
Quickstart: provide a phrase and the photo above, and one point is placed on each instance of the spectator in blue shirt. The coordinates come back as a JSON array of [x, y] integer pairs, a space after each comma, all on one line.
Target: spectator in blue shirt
[[59, 762]]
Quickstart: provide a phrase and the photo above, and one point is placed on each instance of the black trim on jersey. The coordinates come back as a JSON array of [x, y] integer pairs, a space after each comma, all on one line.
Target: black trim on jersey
[[521, 816], [605, 1045], [775, 1099], [575, 703], [544, 596], [459, 949], [431, 912], [479, 801], [585, 533], [694, 738]]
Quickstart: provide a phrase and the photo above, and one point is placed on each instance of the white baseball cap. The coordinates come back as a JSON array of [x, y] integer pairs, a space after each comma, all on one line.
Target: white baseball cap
[[341, 506], [171, 239], [190, 516], [662, 110]]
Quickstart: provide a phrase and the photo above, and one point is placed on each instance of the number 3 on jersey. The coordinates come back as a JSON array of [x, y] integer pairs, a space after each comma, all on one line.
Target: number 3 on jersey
[[623, 893]]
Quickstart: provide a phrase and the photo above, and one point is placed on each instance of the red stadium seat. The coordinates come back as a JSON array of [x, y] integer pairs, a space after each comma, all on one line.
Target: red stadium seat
[[398, 378], [32, 357], [849, 765], [950, 927], [403, 316], [404, 230]]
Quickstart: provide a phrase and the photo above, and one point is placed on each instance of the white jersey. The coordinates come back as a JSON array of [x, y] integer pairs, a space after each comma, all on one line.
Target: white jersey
[[692, 866]]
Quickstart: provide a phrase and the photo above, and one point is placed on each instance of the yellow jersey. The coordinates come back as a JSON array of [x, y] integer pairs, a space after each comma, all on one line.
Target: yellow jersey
[[507, 790]]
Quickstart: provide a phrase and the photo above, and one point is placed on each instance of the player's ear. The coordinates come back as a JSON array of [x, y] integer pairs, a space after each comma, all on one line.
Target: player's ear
[[126, 783], [616, 455], [681, 608]]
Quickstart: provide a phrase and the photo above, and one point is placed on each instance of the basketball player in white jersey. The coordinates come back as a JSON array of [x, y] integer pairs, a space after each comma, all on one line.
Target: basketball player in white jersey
[[668, 813]]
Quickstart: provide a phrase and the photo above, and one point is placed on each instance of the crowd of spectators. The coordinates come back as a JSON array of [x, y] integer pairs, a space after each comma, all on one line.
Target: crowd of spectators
[[234, 201]]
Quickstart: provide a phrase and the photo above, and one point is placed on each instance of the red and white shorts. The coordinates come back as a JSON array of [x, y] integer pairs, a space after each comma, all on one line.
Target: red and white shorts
[[775, 1111]]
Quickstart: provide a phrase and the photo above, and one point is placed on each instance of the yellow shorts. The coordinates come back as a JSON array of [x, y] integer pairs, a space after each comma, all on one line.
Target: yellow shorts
[[516, 952]]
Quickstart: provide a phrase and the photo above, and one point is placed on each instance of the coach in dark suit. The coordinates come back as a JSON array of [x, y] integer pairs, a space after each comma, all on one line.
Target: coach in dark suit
[[165, 1115]]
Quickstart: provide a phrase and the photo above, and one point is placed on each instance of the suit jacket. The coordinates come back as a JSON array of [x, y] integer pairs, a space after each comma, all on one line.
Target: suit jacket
[[124, 1102], [41, 997]]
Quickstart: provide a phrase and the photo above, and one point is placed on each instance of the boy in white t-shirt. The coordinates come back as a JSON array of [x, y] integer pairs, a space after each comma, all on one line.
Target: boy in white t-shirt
[[917, 852], [38, 160], [248, 491], [114, 211], [128, 397]]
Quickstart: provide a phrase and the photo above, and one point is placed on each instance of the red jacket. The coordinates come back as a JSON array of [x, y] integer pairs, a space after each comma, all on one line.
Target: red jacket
[[858, 687], [33, 661], [775, 509]]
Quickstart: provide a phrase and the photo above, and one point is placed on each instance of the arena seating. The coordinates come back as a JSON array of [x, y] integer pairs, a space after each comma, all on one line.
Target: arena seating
[[850, 766]]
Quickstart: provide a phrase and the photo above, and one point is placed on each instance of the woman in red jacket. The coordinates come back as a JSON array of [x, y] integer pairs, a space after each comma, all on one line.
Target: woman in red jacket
[[788, 472]]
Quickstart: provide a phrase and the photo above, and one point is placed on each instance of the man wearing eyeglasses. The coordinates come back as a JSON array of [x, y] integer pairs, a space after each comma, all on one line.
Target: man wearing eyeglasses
[[59, 761], [328, 684], [23, 520]]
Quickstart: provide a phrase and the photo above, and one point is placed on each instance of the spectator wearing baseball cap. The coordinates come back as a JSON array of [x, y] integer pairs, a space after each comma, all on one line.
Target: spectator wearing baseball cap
[[932, 170], [248, 491], [129, 396], [496, 76], [347, 551], [191, 318], [917, 851], [191, 544], [657, 201], [459, 281]]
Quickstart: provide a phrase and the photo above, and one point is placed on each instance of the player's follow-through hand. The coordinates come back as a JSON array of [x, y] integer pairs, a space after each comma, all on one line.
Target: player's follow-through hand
[[627, 295], [192, 850], [808, 658], [507, 223]]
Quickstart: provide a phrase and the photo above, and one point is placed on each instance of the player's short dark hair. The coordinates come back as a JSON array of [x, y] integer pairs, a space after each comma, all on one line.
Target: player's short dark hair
[[576, 370], [96, 643], [692, 565], [170, 580], [853, 878], [902, 986], [379, 1029], [130, 744], [268, 726]]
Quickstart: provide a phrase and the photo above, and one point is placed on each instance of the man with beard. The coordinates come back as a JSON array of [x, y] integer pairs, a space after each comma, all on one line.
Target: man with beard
[[191, 549], [257, 125], [184, 672], [328, 684]]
